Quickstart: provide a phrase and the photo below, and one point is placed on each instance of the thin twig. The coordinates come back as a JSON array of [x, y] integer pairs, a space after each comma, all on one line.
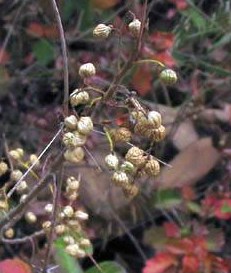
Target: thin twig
[[65, 58], [23, 239]]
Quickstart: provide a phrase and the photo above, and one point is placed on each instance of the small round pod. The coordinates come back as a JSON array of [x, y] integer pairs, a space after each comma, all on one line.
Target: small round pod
[[77, 98], [121, 134], [102, 31], [158, 134], [87, 70], [9, 233], [85, 125], [68, 211], [69, 140], [71, 196], [60, 229], [120, 178], [130, 190], [72, 184], [3, 168], [152, 167], [81, 253], [71, 122], [15, 154], [127, 167], [135, 27], [69, 240], [111, 161], [48, 208], [136, 156], [16, 175], [74, 156], [84, 242], [154, 118], [168, 76], [22, 187], [81, 215], [46, 225], [34, 160], [72, 249], [30, 217], [143, 127], [80, 138]]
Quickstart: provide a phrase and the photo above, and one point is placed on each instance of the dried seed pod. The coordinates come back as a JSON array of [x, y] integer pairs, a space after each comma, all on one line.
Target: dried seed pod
[[81, 215], [87, 70], [16, 175], [72, 184], [80, 138], [30, 217], [74, 156], [112, 161], [72, 249], [20, 152], [3, 168], [136, 156], [69, 140], [84, 242], [77, 98], [34, 160], [159, 134], [68, 211], [135, 27], [102, 31], [143, 127], [81, 253], [130, 190], [74, 224], [127, 167], [154, 118], [152, 167], [69, 240], [71, 122], [46, 225], [120, 178], [121, 134], [9, 233], [72, 196], [15, 154], [85, 125], [23, 198], [48, 208], [22, 187], [60, 229], [168, 76]]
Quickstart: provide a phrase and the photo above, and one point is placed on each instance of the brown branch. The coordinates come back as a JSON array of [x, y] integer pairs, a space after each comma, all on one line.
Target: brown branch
[[65, 58]]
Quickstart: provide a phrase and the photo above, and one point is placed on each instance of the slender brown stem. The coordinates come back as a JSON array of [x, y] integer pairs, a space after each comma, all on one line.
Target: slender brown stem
[[65, 58]]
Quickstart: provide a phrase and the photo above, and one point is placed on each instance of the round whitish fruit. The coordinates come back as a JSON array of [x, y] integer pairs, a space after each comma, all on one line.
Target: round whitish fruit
[[74, 156], [80, 138], [72, 184], [135, 27], [22, 187], [77, 98], [112, 161], [154, 118], [30, 217], [87, 70], [68, 211], [16, 175], [130, 190], [168, 76], [48, 208], [152, 167], [71, 122], [9, 233], [72, 249], [85, 125], [3, 168], [102, 31], [81, 215], [136, 156], [159, 134]]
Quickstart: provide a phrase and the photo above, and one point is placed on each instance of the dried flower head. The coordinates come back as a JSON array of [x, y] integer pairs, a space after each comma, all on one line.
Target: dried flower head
[[60, 229], [134, 27], [159, 134], [81, 215], [34, 160], [22, 187], [48, 208], [72, 184], [87, 70], [136, 156], [102, 31], [152, 167], [68, 211], [120, 178]]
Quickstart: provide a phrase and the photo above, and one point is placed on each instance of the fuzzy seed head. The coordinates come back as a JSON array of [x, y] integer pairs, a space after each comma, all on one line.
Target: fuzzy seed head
[[81, 215], [87, 70], [112, 161], [71, 122], [120, 178], [72, 249], [30, 217], [159, 134], [48, 208], [3, 168], [136, 156], [22, 187], [102, 31], [152, 167], [16, 175], [134, 27], [81, 97], [155, 119], [68, 211], [85, 125], [168, 76], [9, 233], [74, 156]]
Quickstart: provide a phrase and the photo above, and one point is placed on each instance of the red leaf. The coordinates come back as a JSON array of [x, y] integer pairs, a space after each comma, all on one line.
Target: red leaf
[[159, 263], [190, 264], [42, 31], [180, 4], [171, 229], [165, 57], [223, 209], [162, 40], [14, 266], [4, 56], [142, 80]]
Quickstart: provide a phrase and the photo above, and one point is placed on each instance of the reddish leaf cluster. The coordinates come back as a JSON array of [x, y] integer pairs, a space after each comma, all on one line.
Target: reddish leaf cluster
[[180, 4]]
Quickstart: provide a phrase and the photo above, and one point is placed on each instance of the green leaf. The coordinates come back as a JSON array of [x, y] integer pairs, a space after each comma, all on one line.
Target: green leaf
[[194, 207], [226, 208], [43, 51], [69, 264], [167, 199], [107, 267]]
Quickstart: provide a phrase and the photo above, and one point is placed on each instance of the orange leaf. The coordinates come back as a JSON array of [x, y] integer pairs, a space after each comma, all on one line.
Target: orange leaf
[[14, 266], [104, 4], [4, 56], [160, 263], [142, 80], [162, 40], [42, 31]]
